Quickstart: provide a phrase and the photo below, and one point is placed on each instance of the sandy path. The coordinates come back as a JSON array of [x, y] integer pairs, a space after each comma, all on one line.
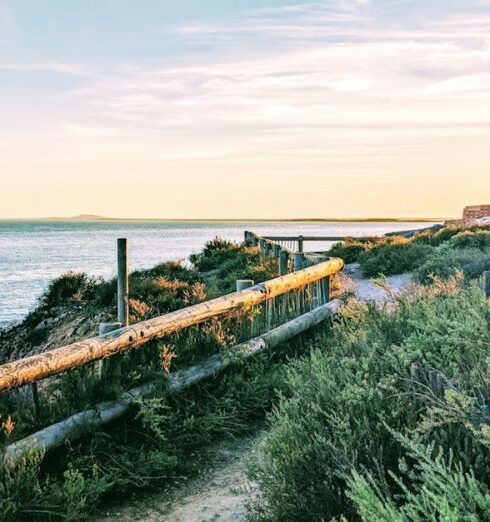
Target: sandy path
[[366, 290], [220, 494]]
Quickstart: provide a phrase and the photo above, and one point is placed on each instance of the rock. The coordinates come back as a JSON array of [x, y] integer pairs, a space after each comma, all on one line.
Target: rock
[[44, 323]]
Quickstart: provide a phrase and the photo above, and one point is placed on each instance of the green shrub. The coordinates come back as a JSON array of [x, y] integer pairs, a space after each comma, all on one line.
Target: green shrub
[[479, 239], [434, 488], [71, 286], [24, 496], [333, 417], [229, 261], [214, 254], [446, 262], [144, 285], [351, 248], [393, 258]]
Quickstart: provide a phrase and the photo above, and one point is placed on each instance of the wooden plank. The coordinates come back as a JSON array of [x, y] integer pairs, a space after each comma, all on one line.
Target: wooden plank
[[53, 362]]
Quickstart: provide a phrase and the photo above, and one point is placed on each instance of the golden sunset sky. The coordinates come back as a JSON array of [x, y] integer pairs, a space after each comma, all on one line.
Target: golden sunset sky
[[244, 109]]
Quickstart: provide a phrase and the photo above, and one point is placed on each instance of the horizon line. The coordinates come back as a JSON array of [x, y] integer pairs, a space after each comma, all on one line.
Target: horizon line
[[90, 217]]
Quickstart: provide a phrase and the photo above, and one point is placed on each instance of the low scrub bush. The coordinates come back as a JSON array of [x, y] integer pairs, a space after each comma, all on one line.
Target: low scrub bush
[[229, 261], [71, 286], [214, 254], [154, 291], [468, 239], [351, 248], [393, 258], [419, 368], [389, 255], [446, 262], [434, 487]]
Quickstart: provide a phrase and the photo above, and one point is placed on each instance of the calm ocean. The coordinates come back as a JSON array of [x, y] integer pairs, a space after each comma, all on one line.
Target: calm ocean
[[32, 253]]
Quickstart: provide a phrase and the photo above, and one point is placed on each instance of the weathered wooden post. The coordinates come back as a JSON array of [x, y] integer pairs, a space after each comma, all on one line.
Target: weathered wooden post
[[247, 237], [299, 259], [486, 284], [276, 249], [242, 284], [35, 399], [122, 282], [283, 262], [323, 284], [300, 244], [262, 246], [112, 366]]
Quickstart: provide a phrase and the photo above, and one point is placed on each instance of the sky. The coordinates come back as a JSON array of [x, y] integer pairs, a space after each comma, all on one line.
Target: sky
[[244, 108]]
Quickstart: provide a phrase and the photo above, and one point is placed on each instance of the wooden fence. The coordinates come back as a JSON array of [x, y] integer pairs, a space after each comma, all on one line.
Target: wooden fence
[[313, 270]]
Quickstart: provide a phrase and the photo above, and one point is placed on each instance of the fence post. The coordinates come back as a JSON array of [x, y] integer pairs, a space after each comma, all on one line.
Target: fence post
[[242, 284], [299, 259], [324, 284], [300, 244], [262, 246], [35, 400], [486, 283], [283, 262], [276, 249], [122, 282]]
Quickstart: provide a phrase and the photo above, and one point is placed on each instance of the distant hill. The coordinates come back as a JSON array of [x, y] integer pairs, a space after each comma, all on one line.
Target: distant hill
[[81, 217]]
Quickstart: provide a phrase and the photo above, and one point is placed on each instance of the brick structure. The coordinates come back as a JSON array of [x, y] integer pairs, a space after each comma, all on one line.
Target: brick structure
[[476, 212]]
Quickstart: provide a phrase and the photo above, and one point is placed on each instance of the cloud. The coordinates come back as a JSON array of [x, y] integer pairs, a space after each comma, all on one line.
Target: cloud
[[332, 81], [55, 67]]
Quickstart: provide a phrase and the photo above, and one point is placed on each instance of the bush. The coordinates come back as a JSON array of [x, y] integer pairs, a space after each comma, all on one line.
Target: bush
[[479, 239], [351, 248], [71, 286], [379, 369], [435, 488], [214, 254], [445, 262], [155, 291], [393, 258]]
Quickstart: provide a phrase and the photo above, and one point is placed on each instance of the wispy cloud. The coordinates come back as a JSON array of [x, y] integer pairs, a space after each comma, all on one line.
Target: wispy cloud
[[73, 69]]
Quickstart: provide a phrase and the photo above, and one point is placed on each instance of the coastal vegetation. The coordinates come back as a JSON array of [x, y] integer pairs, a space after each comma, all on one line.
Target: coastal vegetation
[[163, 439], [382, 417], [434, 251], [387, 418]]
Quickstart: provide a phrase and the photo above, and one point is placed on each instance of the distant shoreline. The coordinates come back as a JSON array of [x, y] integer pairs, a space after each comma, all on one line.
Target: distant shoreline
[[89, 218]]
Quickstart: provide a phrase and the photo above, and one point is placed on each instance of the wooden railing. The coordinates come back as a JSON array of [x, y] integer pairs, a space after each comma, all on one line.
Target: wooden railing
[[31, 370], [291, 244], [36, 367]]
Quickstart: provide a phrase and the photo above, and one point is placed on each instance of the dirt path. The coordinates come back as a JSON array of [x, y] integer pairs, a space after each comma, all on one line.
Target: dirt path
[[366, 290], [220, 494]]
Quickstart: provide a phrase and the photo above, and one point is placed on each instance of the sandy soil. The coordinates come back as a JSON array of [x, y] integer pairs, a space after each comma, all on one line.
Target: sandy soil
[[218, 495], [367, 290]]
